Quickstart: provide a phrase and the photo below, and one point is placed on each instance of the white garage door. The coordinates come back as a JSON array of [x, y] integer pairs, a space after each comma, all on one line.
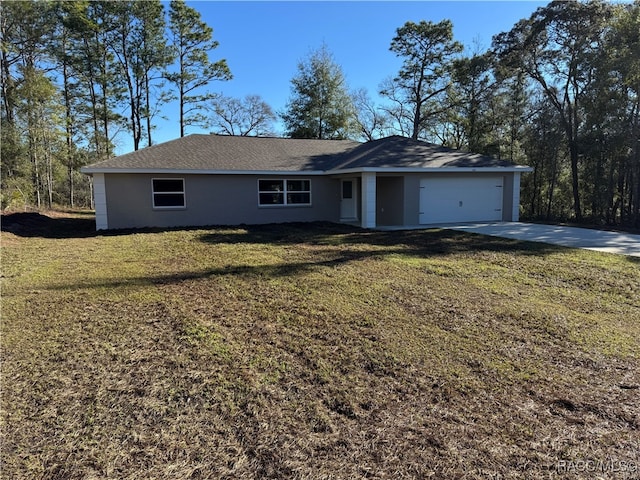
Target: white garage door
[[462, 199]]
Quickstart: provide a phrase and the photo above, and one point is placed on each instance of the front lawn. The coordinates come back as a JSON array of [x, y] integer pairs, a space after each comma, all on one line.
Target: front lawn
[[316, 351]]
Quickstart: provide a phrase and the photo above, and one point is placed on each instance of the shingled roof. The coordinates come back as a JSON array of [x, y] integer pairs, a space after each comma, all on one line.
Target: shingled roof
[[405, 153], [231, 154]]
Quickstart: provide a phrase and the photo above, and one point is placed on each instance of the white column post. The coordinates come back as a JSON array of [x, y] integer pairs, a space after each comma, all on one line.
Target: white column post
[[368, 200]]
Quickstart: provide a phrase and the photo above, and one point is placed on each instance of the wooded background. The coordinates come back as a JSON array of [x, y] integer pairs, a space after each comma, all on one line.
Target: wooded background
[[559, 92]]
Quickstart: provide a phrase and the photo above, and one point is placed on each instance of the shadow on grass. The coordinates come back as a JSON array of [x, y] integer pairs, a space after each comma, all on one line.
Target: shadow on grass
[[344, 244], [414, 242], [419, 242], [423, 242], [37, 225], [246, 271]]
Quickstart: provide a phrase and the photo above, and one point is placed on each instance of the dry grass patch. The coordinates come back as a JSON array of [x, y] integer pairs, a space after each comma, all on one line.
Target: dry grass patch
[[315, 351]]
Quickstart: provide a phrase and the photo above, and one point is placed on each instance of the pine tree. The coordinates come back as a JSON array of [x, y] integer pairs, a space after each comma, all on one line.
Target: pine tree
[[320, 105], [427, 50], [192, 42]]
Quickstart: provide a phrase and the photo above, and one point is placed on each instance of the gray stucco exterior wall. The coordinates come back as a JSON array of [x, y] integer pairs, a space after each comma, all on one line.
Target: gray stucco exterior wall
[[214, 200], [232, 199]]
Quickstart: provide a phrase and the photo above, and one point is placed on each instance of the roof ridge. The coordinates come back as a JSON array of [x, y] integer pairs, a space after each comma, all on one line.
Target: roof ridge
[[272, 137]]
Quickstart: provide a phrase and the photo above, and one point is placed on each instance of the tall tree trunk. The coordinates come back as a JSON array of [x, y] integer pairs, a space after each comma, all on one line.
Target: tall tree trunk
[[68, 132], [635, 162], [104, 107], [49, 158], [552, 186], [147, 89], [35, 165], [32, 142], [93, 96], [126, 72], [417, 111], [575, 184], [181, 114], [182, 95], [7, 88]]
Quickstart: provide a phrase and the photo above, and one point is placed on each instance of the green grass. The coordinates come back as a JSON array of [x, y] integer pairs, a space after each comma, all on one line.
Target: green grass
[[314, 351]]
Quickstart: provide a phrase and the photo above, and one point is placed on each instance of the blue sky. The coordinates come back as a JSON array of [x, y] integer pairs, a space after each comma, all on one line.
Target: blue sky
[[263, 42]]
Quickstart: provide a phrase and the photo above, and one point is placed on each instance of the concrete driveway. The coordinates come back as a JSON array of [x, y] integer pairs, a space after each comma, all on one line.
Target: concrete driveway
[[612, 242]]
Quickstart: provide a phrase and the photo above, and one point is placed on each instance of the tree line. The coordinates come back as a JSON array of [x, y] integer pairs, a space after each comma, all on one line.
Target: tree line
[[560, 92], [76, 75]]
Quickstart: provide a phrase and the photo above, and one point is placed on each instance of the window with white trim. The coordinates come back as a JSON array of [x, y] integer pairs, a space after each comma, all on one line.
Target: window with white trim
[[168, 192], [274, 192]]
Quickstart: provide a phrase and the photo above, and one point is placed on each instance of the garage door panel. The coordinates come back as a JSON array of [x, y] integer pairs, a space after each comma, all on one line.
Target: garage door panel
[[449, 200]]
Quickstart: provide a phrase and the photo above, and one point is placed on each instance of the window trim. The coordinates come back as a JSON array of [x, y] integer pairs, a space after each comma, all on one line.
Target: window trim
[[285, 191], [168, 207]]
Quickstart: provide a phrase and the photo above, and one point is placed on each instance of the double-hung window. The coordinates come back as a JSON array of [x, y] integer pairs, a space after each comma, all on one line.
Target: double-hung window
[[168, 193], [284, 192]]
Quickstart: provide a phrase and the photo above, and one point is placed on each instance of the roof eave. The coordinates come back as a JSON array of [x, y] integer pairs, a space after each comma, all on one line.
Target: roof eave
[[186, 171], [515, 168]]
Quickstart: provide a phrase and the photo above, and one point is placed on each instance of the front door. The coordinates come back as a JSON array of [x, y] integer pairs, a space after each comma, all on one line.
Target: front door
[[348, 200]]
